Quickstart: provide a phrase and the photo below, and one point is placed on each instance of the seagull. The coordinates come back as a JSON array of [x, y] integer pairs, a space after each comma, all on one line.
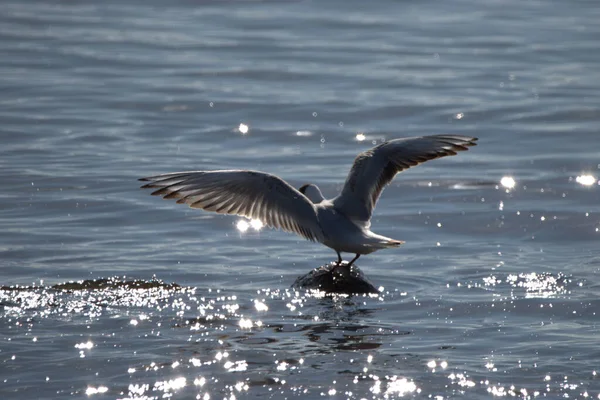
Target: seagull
[[341, 223]]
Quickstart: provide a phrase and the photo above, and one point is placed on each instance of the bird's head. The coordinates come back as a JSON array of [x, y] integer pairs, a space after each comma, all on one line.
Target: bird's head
[[312, 192]]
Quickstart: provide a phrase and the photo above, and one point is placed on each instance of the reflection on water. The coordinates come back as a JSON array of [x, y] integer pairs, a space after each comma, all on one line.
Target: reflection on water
[[243, 225], [526, 285], [508, 182], [243, 128], [544, 285], [206, 344], [226, 335], [585, 180], [495, 293], [96, 390]]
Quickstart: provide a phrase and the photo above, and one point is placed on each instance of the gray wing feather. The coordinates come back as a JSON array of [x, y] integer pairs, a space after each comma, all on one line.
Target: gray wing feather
[[251, 194], [374, 169]]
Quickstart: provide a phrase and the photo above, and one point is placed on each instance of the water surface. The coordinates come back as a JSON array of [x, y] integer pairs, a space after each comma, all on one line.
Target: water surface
[[494, 294]]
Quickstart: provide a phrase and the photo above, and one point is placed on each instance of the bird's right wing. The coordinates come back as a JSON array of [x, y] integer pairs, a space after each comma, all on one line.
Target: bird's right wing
[[374, 169], [251, 194]]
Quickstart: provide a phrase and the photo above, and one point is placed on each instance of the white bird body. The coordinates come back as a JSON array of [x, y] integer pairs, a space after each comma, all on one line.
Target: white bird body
[[341, 223], [347, 236]]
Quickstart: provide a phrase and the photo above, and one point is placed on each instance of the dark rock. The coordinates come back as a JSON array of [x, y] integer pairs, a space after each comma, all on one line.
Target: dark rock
[[336, 278]]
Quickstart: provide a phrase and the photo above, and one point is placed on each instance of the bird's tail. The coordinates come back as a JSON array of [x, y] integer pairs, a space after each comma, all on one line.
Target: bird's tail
[[381, 242], [394, 243]]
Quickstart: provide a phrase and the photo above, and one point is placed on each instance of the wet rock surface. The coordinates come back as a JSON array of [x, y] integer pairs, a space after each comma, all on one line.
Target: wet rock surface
[[336, 278]]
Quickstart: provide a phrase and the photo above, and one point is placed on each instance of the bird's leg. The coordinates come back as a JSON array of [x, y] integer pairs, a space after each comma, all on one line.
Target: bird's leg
[[352, 262], [339, 257]]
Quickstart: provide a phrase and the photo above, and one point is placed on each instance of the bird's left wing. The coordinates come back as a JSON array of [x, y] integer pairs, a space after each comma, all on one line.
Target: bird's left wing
[[374, 169], [251, 194]]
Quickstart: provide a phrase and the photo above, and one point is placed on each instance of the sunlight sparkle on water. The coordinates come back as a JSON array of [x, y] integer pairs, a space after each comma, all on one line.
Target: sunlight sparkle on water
[[360, 137], [543, 285], [508, 182], [200, 381], [86, 345], [256, 224], [282, 366], [92, 390], [490, 365], [137, 391], [400, 387], [260, 306], [243, 128], [245, 323], [238, 366], [243, 225], [585, 180], [195, 362], [170, 385], [461, 380]]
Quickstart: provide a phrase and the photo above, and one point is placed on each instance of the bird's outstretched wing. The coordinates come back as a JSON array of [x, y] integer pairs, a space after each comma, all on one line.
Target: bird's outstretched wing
[[374, 169], [251, 194]]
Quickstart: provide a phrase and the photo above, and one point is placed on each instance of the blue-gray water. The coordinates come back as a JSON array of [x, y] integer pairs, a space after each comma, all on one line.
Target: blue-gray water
[[496, 291]]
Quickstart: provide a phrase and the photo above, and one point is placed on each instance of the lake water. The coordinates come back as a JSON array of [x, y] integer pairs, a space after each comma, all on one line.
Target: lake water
[[109, 293]]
